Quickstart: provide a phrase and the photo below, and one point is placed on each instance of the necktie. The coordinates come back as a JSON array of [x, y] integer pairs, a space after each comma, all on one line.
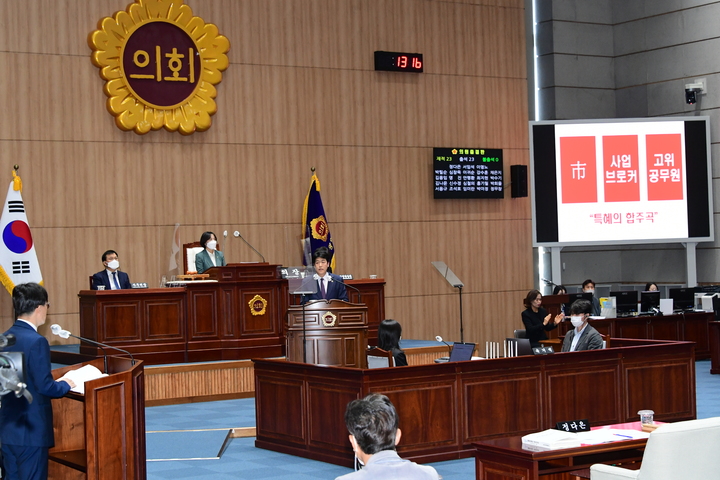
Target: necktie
[[322, 288], [117, 285]]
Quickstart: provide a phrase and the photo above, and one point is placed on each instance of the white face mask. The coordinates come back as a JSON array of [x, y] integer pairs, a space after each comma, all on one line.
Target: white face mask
[[211, 244], [577, 320], [113, 264], [590, 290]]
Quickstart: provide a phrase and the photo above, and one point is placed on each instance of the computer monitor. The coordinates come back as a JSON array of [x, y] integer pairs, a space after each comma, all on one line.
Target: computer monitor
[[649, 300], [683, 298], [577, 296], [461, 352], [626, 301]]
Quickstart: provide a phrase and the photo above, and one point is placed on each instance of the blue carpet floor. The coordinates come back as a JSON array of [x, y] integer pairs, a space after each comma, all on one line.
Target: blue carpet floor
[[241, 460]]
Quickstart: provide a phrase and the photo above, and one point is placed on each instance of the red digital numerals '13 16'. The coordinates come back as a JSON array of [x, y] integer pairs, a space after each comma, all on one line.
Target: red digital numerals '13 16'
[[404, 62]]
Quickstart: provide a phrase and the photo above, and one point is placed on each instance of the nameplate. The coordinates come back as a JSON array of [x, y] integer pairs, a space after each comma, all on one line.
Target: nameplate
[[543, 350], [346, 277], [573, 426], [139, 285]]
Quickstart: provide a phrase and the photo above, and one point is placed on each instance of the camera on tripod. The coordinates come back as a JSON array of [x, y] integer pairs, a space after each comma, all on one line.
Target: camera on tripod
[[12, 370]]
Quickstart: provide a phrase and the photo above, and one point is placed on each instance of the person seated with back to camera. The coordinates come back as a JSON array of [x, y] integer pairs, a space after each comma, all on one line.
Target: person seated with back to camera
[[389, 333], [583, 336], [210, 256], [537, 320], [330, 286], [373, 426]]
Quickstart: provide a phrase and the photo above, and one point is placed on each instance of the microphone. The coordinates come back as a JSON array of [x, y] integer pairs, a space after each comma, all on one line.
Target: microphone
[[548, 282], [58, 330], [237, 234], [354, 288], [438, 338]]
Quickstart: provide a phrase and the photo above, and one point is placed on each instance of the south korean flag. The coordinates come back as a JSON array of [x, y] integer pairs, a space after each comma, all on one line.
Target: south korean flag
[[18, 260]]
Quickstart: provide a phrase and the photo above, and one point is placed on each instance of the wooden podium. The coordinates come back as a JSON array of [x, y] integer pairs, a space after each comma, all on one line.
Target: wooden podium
[[335, 333], [101, 435]]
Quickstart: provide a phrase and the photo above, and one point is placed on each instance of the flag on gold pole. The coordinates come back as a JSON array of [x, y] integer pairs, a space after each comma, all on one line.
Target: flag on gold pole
[[18, 259]]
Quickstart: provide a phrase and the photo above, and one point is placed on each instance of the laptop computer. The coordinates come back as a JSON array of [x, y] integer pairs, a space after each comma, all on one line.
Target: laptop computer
[[461, 352]]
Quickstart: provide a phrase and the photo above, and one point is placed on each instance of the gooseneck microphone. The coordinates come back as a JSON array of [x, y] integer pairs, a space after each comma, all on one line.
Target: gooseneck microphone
[[438, 338], [237, 234], [356, 289], [58, 330]]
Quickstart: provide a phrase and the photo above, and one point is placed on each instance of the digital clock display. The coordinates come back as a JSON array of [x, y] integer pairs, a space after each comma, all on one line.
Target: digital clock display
[[398, 62], [467, 173]]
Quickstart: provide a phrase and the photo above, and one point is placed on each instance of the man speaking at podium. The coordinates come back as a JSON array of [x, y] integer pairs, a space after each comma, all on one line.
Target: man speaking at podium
[[26, 429], [330, 286]]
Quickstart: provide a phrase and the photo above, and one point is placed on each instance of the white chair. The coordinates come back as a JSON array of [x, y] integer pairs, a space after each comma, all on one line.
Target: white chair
[[675, 451], [191, 249]]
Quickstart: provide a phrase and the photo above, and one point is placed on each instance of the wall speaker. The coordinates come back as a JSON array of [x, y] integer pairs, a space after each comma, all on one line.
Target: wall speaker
[[518, 179]]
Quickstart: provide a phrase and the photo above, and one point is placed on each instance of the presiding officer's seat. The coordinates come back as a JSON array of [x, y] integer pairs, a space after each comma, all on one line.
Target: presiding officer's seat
[[190, 250], [682, 450]]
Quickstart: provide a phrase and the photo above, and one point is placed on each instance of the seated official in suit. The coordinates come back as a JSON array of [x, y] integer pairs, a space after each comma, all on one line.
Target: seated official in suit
[[111, 278], [588, 286], [26, 428], [536, 319], [389, 333], [373, 425], [330, 286], [210, 256], [583, 336]]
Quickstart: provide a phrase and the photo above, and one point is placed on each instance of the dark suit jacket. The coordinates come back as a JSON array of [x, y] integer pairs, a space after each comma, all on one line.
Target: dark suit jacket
[[203, 262], [102, 278], [30, 424], [335, 290], [590, 340]]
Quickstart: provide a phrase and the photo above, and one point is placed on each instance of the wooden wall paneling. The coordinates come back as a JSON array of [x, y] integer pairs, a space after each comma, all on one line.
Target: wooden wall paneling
[[572, 392], [651, 381], [428, 410], [294, 96], [505, 395], [326, 413], [343, 35]]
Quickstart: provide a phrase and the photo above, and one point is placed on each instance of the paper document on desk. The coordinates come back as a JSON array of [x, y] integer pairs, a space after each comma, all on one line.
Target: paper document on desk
[[82, 375], [607, 435], [551, 439]]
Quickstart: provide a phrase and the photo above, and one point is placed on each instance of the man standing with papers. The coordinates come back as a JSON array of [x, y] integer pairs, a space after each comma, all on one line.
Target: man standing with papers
[[26, 429]]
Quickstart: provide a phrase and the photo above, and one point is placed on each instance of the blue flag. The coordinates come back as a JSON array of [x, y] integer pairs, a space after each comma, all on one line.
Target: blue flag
[[315, 226]]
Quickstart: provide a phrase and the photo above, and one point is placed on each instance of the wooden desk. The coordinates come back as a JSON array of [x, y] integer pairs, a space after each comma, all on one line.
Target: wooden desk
[[715, 347], [689, 327], [505, 459], [240, 316], [444, 408]]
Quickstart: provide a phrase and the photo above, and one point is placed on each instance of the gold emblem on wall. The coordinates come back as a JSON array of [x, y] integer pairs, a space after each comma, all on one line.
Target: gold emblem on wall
[[160, 64], [328, 319], [258, 305]]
